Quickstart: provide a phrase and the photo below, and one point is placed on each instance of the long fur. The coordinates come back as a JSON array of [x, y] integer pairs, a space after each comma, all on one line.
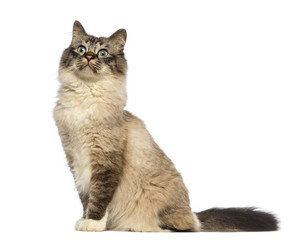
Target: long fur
[[124, 180], [236, 219]]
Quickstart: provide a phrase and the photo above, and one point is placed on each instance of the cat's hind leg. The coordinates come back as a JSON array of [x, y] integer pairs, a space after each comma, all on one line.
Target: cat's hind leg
[[179, 220]]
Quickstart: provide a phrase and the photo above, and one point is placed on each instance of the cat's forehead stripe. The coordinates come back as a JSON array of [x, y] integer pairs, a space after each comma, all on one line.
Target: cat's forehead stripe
[[94, 41]]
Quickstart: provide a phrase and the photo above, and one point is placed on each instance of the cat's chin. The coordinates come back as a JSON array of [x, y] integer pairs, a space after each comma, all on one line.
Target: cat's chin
[[87, 69], [87, 74]]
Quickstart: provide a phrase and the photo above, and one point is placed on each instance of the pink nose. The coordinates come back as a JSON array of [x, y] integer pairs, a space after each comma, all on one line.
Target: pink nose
[[89, 56]]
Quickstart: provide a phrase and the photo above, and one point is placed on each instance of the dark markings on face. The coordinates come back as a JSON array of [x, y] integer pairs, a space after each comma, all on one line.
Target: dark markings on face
[[112, 64], [93, 41]]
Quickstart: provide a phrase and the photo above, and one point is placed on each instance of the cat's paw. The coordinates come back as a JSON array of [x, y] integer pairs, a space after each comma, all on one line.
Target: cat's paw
[[91, 225]]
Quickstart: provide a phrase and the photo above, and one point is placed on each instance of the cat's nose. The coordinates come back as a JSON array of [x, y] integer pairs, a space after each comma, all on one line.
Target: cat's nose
[[89, 56]]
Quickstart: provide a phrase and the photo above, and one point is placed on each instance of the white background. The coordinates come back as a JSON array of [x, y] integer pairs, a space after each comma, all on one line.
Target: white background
[[216, 82]]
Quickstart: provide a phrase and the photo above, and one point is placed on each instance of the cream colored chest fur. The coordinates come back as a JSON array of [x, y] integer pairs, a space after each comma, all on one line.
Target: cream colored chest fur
[[72, 121], [80, 112], [75, 120]]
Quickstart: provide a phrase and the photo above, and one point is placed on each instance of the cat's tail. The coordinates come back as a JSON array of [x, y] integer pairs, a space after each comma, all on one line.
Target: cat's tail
[[236, 220]]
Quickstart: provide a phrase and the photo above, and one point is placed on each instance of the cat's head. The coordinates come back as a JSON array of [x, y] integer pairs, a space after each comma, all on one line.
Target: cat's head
[[92, 58]]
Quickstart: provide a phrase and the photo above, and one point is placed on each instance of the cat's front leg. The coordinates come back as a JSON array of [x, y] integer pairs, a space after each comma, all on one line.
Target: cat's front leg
[[106, 168], [91, 225]]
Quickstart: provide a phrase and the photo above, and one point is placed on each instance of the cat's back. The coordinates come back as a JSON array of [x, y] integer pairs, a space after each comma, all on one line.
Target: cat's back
[[141, 149], [139, 140]]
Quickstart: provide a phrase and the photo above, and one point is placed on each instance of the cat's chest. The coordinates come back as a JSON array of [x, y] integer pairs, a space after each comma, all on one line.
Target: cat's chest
[[81, 126], [79, 114], [81, 167], [76, 122], [76, 115]]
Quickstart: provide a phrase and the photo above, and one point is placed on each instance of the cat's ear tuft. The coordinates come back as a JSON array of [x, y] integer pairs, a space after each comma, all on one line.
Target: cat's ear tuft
[[119, 38], [78, 31]]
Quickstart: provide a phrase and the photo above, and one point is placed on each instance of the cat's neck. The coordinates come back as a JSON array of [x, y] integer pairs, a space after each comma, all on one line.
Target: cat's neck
[[106, 96]]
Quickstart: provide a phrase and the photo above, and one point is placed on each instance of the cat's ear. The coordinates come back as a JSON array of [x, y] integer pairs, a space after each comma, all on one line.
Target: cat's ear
[[78, 31], [118, 39]]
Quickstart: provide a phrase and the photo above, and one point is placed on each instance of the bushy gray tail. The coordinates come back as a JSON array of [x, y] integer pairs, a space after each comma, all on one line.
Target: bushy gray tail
[[236, 220]]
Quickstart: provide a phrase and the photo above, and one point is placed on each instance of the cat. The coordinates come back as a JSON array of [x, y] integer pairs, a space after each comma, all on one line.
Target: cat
[[124, 180]]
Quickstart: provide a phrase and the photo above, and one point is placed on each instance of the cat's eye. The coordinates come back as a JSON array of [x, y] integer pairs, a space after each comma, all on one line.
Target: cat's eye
[[102, 53], [81, 49]]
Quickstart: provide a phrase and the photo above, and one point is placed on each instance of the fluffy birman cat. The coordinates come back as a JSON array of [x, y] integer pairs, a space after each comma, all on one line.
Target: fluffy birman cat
[[124, 180]]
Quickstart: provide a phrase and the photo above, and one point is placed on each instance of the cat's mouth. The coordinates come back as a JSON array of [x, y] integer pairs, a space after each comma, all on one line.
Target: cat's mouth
[[88, 67]]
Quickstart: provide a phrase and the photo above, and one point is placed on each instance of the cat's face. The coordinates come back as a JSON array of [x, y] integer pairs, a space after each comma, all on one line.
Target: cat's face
[[91, 58]]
